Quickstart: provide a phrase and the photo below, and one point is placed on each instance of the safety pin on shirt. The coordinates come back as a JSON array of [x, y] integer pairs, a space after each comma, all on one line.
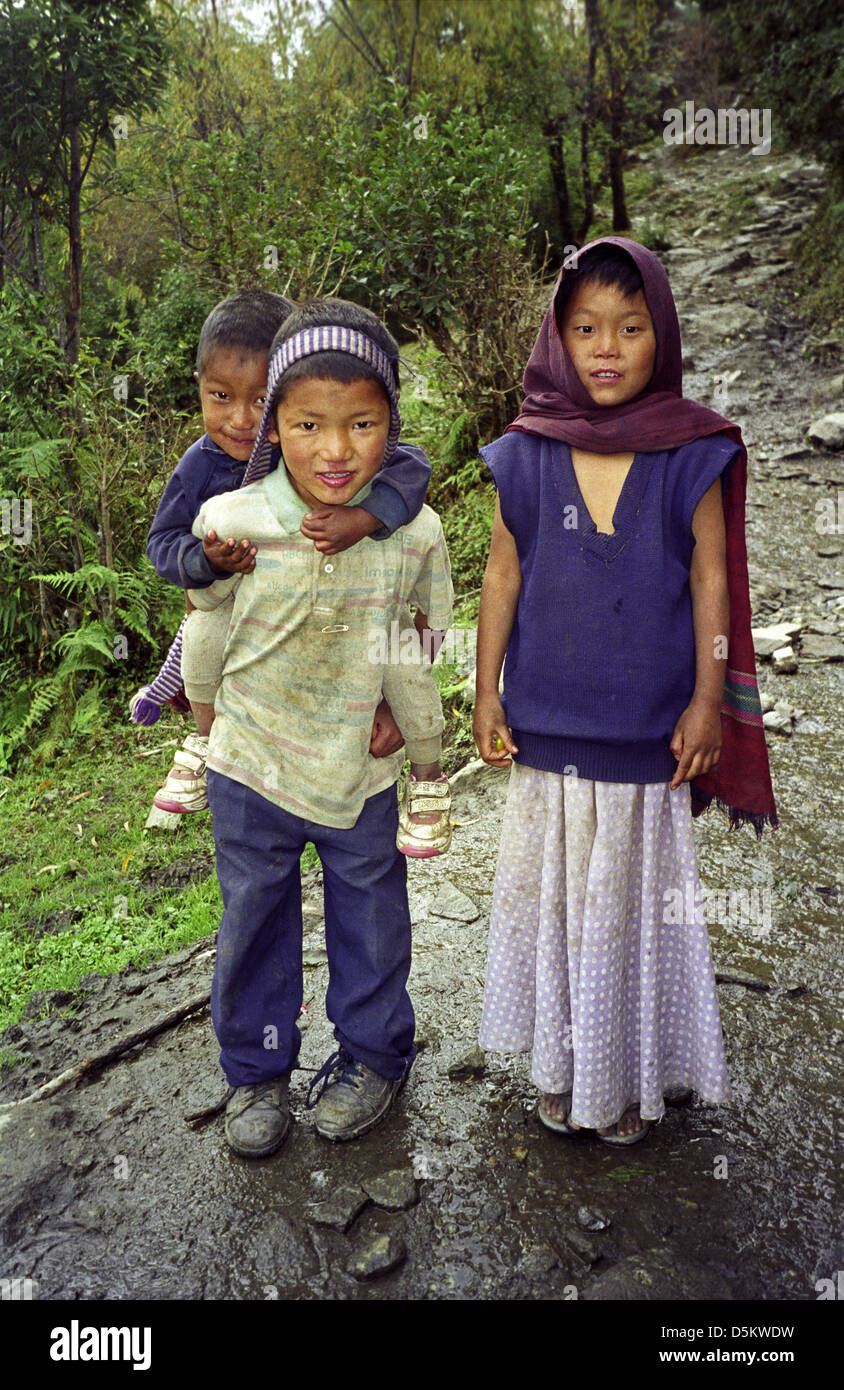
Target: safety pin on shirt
[[330, 627]]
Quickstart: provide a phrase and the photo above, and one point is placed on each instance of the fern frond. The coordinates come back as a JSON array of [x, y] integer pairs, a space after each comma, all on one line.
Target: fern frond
[[93, 577], [136, 620], [44, 699], [85, 648], [40, 458]]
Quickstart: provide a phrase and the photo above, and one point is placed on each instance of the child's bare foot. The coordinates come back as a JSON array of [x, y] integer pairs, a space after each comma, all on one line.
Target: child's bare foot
[[628, 1130], [554, 1112], [555, 1106]]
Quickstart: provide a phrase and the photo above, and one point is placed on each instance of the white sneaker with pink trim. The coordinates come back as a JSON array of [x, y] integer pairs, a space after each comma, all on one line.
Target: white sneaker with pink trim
[[421, 839], [185, 788]]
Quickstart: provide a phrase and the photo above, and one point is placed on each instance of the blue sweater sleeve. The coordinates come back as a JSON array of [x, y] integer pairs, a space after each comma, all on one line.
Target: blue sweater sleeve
[[172, 548], [398, 491]]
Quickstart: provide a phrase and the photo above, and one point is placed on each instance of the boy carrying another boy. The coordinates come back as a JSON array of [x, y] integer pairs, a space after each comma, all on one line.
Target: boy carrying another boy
[[289, 753], [231, 372]]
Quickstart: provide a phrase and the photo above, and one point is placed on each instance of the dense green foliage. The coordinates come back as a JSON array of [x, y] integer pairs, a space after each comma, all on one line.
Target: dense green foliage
[[432, 161], [791, 54]]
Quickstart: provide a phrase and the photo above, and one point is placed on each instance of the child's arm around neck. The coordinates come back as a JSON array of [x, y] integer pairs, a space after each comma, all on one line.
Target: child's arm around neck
[[396, 497]]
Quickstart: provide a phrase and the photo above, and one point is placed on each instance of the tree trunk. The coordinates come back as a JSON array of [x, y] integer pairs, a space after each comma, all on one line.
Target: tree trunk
[[586, 119], [105, 547], [74, 230], [552, 130], [36, 249], [616, 171]]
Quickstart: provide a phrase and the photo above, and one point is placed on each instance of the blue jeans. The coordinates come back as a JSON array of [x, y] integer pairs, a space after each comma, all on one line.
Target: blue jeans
[[257, 990]]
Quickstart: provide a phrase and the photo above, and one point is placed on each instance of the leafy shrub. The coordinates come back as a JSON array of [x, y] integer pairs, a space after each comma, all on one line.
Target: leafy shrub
[[169, 332], [80, 607]]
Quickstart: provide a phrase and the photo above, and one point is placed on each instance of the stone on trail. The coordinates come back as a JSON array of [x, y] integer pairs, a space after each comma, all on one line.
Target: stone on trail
[[393, 1191], [578, 1245], [810, 726], [828, 431], [471, 1064], [314, 953], [777, 722], [721, 321], [590, 1220], [339, 1210], [784, 661], [454, 905], [656, 1275], [733, 260], [537, 1261], [766, 640], [377, 1254], [792, 452], [822, 648]]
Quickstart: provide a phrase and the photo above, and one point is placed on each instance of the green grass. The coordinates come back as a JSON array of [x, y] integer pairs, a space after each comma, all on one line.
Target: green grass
[[819, 268], [631, 1173], [82, 889], [105, 944]]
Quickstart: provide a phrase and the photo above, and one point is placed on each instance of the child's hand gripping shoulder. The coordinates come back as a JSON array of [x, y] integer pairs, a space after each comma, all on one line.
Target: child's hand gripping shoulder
[[333, 529], [230, 556], [696, 742]]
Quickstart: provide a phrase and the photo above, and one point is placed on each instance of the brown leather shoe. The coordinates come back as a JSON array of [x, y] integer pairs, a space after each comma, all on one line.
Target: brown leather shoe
[[352, 1098], [258, 1117]]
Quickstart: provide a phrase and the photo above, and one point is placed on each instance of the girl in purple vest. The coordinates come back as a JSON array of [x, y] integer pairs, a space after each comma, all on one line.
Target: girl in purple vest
[[617, 589]]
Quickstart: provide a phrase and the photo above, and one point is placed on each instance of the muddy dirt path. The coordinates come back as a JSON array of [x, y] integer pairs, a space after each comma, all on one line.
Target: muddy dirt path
[[107, 1192]]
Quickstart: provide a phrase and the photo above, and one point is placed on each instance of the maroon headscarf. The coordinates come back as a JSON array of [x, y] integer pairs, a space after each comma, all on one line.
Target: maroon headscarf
[[558, 406]]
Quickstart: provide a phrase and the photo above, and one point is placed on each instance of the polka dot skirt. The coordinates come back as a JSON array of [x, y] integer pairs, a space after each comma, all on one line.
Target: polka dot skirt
[[588, 966]]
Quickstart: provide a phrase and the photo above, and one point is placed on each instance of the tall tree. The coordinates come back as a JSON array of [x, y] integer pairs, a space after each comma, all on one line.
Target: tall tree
[[626, 34], [74, 74]]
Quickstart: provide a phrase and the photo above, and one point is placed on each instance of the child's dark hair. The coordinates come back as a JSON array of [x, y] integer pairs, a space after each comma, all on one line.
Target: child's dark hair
[[334, 366], [604, 265], [247, 319]]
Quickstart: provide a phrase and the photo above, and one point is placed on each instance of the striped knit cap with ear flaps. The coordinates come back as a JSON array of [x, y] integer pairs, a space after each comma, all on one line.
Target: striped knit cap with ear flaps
[[330, 337]]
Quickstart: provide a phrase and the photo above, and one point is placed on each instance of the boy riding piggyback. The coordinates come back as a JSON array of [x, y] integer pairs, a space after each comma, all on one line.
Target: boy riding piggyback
[[231, 373]]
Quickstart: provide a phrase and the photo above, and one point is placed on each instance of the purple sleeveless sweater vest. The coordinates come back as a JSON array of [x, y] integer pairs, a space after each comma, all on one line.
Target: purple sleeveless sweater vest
[[601, 659]]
